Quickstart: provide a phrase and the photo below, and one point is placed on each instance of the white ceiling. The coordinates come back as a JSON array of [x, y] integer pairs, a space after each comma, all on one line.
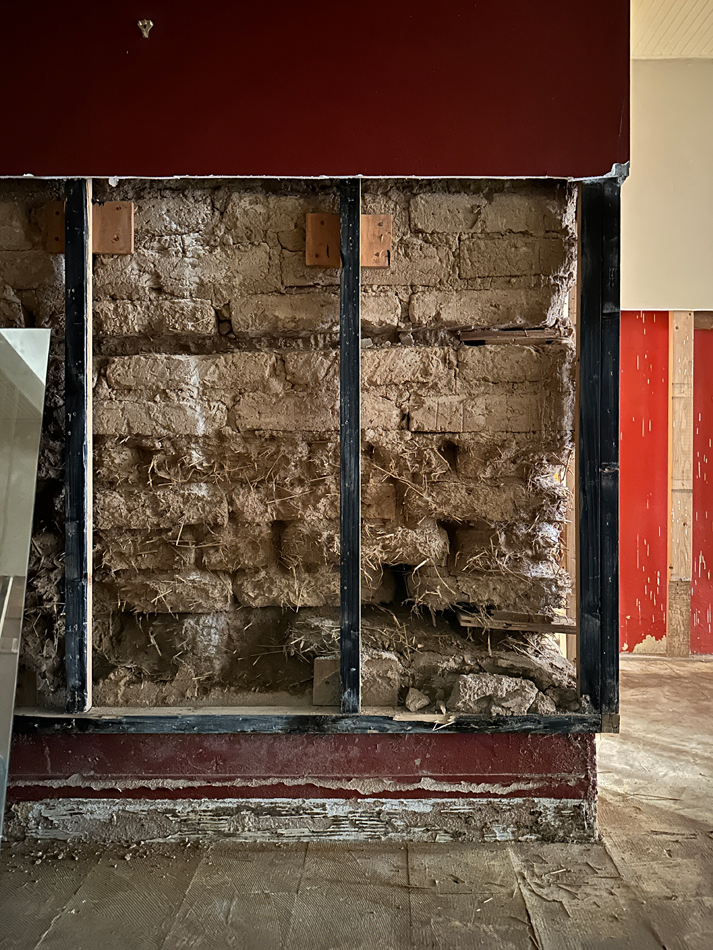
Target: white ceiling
[[672, 29]]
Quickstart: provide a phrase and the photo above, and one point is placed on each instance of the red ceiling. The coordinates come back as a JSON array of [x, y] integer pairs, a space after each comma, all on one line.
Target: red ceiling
[[396, 87]]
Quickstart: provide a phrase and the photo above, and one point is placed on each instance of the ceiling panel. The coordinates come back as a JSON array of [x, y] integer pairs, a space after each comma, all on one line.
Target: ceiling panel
[[672, 29]]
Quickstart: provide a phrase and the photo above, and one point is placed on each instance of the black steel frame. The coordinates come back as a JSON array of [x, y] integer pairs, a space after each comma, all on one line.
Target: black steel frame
[[350, 444], [598, 499], [598, 458], [78, 517]]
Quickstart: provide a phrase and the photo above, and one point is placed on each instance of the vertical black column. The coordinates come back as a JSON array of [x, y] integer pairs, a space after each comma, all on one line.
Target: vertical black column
[[78, 510], [609, 442], [350, 443], [598, 461]]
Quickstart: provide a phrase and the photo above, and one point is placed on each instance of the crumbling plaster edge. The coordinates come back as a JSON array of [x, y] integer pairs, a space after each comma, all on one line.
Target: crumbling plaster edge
[[366, 786], [618, 170]]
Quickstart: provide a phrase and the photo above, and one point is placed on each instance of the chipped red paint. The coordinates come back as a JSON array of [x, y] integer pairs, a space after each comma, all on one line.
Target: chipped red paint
[[222, 766], [406, 87], [643, 522], [702, 589]]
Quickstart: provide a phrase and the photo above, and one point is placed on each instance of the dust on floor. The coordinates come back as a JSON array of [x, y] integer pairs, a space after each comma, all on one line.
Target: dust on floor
[[648, 884]]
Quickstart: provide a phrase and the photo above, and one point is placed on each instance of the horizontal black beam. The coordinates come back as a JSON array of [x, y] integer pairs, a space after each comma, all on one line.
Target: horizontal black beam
[[324, 724]]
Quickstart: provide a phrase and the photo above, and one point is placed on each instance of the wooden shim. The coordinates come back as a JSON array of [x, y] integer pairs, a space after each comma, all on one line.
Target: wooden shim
[[350, 445], [78, 474], [112, 227], [566, 626], [322, 240], [678, 614], [510, 336]]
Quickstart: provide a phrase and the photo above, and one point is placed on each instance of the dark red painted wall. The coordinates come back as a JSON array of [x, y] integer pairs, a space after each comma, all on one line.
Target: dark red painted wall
[[404, 87], [702, 590], [301, 766], [643, 519]]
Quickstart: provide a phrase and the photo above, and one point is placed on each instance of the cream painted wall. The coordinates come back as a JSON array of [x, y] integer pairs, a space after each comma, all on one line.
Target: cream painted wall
[[667, 202]]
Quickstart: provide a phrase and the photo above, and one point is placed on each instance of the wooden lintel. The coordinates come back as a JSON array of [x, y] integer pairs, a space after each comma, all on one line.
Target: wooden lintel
[[322, 240], [112, 227]]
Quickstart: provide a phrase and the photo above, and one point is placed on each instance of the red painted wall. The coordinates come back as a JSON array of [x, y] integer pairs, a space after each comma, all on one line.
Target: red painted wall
[[398, 88], [643, 517], [302, 766], [404, 87], [702, 590]]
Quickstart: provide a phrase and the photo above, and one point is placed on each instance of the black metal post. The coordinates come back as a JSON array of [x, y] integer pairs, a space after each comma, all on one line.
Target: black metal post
[[599, 447], [78, 373], [609, 441], [350, 443]]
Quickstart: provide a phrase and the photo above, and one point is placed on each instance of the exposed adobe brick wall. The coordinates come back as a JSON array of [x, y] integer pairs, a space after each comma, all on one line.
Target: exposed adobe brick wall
[[32, 295], [216, 418], [217, 412]]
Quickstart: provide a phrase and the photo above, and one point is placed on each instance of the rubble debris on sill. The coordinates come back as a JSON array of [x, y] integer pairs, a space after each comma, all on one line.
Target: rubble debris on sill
[[488, 673]]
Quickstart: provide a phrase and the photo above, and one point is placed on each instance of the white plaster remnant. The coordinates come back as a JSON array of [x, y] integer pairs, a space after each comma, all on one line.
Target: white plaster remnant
[[305, 819], [364, 786]]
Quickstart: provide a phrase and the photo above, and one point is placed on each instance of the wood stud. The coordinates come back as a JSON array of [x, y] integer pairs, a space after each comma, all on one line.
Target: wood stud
[[678, 613]]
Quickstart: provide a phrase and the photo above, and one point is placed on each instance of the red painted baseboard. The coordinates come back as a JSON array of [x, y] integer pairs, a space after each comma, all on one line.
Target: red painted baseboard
[[299, 766]]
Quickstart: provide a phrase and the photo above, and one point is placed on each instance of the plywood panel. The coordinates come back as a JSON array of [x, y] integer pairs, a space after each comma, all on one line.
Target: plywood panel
[[644, 480], [702, 587]]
